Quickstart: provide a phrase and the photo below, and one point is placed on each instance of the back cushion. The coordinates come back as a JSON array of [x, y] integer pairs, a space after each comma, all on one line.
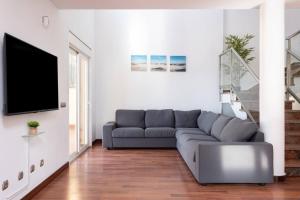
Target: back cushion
[[238, 130], [130, 118], [159, 118], [218, 126], [206, 120], [186, 119]]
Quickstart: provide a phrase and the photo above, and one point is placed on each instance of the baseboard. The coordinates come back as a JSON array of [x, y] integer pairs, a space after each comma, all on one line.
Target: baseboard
[[97, 141], [278, 179], [43, 184]]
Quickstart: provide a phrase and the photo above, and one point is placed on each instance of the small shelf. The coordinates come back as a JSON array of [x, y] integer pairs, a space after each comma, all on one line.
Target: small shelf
[[33, 135]]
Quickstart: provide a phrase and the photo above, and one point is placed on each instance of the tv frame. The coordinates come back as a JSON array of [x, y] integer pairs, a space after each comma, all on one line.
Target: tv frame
[[5, 104]]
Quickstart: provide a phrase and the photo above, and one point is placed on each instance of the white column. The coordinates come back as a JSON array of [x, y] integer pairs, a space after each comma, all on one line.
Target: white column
[[272, 86]]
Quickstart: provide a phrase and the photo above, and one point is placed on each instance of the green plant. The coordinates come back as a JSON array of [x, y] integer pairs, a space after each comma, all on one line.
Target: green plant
[[239, 44], [33, 124]]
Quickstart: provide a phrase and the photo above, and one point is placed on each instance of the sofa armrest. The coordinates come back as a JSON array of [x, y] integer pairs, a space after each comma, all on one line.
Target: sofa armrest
[[234, 162], [107, 134]]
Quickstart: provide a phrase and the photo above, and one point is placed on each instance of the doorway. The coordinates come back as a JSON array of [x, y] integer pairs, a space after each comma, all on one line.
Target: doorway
[[78, 103]]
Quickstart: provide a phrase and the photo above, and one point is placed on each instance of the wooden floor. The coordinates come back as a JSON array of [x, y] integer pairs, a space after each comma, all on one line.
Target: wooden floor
[[150, 175]]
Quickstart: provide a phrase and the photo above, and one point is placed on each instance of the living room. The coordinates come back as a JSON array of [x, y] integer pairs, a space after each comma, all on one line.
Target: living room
[[96, 44]]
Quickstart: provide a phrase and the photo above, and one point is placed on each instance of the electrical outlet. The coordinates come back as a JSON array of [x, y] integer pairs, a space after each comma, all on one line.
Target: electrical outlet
[[63, 104], [5, 185], [20, 175], [42, 162], [32, 168]]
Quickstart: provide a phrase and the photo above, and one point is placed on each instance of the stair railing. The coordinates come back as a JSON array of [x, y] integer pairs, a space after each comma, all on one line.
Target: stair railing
[[290, 55], [237, 78]]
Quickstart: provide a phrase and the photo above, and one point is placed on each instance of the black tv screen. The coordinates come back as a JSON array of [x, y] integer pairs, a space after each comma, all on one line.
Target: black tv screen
[[30, 78]]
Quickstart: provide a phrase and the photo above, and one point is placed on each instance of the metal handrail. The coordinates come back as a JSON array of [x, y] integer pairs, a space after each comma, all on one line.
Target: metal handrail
[[291, 92], [293, 35], [293, 54], [243, 62]]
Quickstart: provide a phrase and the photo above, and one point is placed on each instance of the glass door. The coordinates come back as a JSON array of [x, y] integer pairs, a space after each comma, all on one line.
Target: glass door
[[83, 106], [78, 103]]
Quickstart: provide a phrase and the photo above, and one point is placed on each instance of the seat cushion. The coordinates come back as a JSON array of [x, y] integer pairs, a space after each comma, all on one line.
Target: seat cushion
[[218, 125], [206, 120], [130, 118], [186, 119], [187, 137], [189, 131], [160, 132], [159, 118], [237, 130], [128, 132]]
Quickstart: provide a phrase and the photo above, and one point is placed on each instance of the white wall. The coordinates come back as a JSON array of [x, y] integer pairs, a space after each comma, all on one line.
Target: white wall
[[197, 34], [292, 25], [22, 18], [242, 22]]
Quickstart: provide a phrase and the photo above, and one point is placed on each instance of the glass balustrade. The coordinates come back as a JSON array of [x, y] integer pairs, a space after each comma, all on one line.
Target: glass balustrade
[[239, 78]]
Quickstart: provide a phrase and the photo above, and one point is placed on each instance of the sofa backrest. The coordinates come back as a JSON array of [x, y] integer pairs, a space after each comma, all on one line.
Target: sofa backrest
[[159, 118], [186, 119], [237, 130], [258, 137], [130, 118]]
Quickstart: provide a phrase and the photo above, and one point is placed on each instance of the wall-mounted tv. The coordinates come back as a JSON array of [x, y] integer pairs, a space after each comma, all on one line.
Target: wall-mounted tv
[[30, 78]]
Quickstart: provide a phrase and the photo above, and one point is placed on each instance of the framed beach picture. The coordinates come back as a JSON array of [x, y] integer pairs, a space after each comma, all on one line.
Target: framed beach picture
[[158, 63], [178, 63], [139, 63]]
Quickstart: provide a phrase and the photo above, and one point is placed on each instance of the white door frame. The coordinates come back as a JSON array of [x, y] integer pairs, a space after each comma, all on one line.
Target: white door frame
[[77, 45]]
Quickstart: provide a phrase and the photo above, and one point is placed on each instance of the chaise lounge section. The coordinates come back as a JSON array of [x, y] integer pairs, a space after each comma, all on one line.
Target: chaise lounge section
[[215, 147]]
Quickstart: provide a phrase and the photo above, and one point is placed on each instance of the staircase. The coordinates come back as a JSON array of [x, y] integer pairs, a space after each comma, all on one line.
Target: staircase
[[242, 85], [292, 116], [292, 140]]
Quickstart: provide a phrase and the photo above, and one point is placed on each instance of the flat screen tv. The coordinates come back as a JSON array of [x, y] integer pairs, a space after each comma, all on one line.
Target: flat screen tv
[[30, 78]]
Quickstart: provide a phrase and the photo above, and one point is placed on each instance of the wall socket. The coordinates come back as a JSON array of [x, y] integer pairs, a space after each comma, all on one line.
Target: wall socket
[[63, 104], [5, 185], [32, 168], [20, 175], [42, 162]]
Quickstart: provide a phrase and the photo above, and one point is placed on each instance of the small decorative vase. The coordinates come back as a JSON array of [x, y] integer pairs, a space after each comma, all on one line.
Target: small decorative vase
[[33, 131]]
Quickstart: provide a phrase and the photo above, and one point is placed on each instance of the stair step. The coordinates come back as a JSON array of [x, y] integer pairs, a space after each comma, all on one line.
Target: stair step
[[292, 154], [294, 139], [293, 147], [289, 105], [292, 171], [292, 133], [292, 125], [292, 114], [292, 163]]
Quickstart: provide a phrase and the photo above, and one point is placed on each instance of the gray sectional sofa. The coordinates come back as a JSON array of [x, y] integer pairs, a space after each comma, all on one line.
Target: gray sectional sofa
[[215, 147]]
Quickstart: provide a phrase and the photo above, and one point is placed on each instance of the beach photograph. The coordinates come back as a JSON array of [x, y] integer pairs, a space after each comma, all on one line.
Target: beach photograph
[[158, 63], [178, 63], [139, 63]]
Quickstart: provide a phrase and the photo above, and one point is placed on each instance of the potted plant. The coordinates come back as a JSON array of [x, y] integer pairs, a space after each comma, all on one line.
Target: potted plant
[[239, 44], [33, 125]]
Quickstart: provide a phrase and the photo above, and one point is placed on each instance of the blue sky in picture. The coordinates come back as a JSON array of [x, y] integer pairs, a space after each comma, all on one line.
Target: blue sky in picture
[[159, 59], [177, 60], [138, 59]]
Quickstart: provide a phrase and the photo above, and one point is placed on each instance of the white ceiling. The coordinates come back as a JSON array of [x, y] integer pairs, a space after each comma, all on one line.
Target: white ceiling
[[156, 4], [164, 4]]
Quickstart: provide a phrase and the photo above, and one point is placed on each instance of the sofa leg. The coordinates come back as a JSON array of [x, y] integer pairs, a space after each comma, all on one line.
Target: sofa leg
[[261, 184]]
